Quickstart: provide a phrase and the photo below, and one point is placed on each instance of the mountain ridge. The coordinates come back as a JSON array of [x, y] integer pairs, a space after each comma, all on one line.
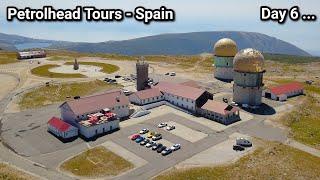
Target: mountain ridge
[[190, 43]]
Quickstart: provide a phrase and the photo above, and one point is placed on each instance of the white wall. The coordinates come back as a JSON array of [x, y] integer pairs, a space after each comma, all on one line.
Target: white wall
[[92, 131], [181, 102], [72, 132]]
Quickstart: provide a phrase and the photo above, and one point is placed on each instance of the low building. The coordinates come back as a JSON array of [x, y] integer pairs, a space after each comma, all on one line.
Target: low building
[[76, 110], [62, 129], [284, 91], [183, 96], [31, 54], [98, 123], [146, 96], [220, 112]]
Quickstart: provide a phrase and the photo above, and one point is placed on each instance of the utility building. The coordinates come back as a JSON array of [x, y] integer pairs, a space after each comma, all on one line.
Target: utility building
[[31, 54], [142, 69], [220, 112], [284, 91], [248, 65], [224, 51]]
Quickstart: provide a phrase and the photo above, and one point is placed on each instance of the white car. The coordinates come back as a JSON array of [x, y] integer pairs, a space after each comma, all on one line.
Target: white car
[[175, 147], [172, 74], [150, 144], [169, 128], [144, 131], [161, 125]]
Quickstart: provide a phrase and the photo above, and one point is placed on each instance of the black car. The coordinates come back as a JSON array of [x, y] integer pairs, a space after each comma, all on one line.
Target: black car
[[238, 148], [159, 150], [117, 76], [144, 142], [76, 97], [156, 146]]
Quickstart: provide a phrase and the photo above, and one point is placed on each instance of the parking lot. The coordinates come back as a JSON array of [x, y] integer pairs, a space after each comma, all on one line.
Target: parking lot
[[28, 136]]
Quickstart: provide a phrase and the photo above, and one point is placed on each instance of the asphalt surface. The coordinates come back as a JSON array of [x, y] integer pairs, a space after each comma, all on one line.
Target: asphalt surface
[[29, 146]]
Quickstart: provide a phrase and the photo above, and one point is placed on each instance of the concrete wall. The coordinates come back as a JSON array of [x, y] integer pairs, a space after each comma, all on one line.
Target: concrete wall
[[220, 118], [248, 95], [223, 62], [92, 131], [225, 73], [248, 79], [135, 100]]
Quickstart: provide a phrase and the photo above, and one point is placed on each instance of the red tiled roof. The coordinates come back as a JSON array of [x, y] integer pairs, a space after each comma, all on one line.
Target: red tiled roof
[[97, 102], [59, 124], [191, 83], [218, 107], [148, 93], [286, 88], [180, 90]]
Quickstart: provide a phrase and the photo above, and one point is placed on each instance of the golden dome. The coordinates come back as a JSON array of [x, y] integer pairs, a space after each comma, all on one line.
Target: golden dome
[[225, 47], [248, 60]]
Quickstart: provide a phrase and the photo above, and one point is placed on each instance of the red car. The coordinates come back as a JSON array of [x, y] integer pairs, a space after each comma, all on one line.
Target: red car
[[134, 137]]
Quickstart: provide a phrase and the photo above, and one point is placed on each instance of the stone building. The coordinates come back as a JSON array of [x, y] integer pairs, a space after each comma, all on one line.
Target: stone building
[[248, 65]]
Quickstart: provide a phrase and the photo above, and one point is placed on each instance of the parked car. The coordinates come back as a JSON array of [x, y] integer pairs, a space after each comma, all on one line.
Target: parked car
[[161, 125], [144, 131], [172, 74], [160, 149], [156, 146], [156, 137], [144, 142], [150, 144], [169, 128], [238, 148], [233, 103], [117, 76], [127, 92], [167, 74], [139, 139], [150, 134], [166, 152], [76, 97], [225, 100], [175, 147], [134, 136], [243, 142]]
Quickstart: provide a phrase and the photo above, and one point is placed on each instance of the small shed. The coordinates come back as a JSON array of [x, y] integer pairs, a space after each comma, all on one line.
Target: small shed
[[62, 129], [284, 91]]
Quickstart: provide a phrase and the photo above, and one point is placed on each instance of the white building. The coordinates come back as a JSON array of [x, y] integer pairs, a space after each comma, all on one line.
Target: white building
[[220, 112], [98, 124], [282, 92], [75, 110], [62, 129], [147, 96], [31, 54], [186, 97]]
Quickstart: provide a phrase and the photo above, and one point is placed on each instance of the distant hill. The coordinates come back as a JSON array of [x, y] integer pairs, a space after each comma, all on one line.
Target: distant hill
[[170, 44]]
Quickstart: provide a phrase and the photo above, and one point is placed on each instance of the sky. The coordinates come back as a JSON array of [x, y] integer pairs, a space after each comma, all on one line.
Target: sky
[[191, 16]]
